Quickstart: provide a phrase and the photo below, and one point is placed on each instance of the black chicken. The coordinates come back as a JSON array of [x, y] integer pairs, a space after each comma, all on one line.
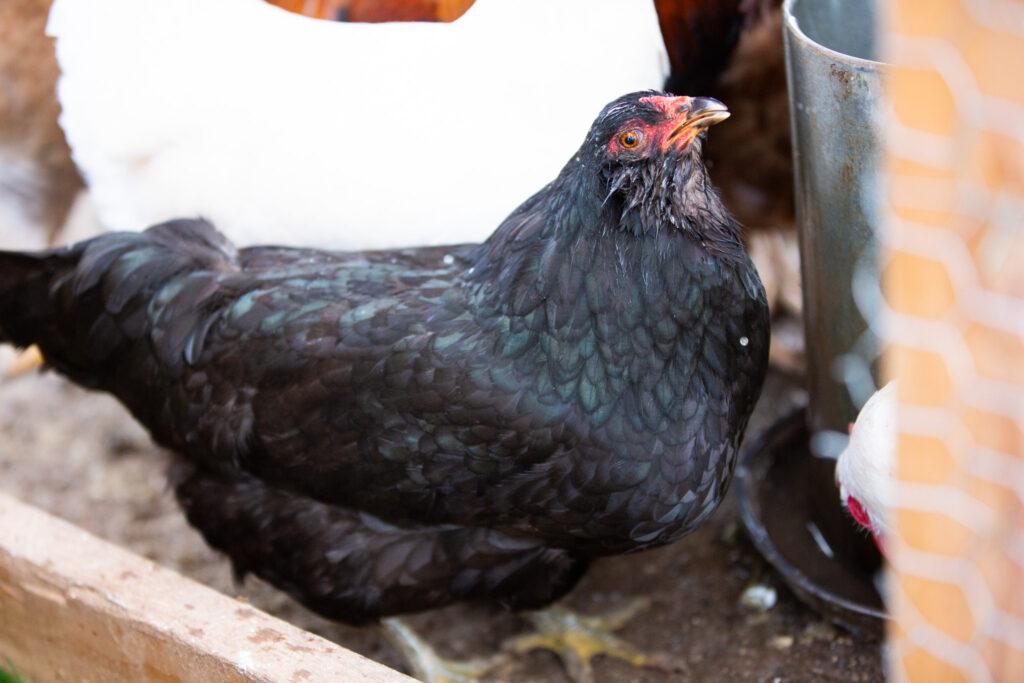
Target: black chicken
[[378, 433]]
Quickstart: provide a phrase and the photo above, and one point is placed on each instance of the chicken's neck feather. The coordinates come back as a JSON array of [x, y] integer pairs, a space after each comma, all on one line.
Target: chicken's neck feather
[[619, 290], [621, 229]]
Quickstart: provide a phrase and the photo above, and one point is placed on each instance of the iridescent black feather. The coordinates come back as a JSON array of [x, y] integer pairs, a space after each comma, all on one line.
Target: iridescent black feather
[[391, 431]]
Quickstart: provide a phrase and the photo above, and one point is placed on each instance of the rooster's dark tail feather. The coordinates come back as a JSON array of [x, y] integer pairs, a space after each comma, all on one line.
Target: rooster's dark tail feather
[[26, 307], [86, 305]]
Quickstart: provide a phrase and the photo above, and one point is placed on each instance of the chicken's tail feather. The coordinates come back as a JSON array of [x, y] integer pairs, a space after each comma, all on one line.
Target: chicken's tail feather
[[26, 309], [87, 305]]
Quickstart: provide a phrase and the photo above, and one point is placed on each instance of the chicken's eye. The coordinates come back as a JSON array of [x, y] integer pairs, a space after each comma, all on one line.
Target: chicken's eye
[[630, 139]]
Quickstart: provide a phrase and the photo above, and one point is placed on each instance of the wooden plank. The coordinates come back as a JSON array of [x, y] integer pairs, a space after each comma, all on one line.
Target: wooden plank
[[76, 608]]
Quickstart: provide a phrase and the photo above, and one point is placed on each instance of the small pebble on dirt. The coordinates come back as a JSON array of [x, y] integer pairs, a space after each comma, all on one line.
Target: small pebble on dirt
[[759, 596]]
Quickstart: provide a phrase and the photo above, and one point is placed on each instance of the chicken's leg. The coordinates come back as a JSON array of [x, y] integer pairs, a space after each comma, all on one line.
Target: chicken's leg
[[24, 362], [578, 639], [574, 638], [427, 664]]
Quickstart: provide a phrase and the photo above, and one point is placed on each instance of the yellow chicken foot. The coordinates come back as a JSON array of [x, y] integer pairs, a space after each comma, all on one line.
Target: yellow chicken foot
[[578, 639], [427, 664], [26, 361]]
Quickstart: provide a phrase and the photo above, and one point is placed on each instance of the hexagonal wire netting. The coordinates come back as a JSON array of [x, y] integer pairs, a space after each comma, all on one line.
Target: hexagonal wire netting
[[950, 316]]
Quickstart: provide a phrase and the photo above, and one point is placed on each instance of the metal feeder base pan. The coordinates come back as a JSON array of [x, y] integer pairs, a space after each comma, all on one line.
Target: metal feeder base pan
[[787, 498]]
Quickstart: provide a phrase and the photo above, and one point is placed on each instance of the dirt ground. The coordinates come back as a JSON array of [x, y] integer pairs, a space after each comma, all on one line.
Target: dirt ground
[[80, 456]]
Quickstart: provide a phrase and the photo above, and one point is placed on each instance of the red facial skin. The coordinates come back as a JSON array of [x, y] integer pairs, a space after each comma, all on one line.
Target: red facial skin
[[674, 130], [861, 516], [858, 512]]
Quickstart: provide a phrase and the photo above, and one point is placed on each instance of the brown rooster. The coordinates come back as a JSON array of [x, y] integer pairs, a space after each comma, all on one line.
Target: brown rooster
[[376, 11]]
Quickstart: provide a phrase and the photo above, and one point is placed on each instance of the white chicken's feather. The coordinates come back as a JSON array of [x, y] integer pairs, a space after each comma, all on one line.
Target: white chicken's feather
[[865, 467], [281, 128]]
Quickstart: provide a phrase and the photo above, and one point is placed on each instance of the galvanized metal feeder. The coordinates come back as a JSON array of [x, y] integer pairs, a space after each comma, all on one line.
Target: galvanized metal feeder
[[835, 90]]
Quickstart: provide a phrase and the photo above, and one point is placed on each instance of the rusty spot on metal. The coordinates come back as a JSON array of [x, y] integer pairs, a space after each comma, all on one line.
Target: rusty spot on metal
[[843, 76], [846, 173]]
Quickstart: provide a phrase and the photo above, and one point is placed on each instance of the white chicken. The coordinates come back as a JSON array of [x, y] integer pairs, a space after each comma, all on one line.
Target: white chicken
[[282, 128], [864, 469]]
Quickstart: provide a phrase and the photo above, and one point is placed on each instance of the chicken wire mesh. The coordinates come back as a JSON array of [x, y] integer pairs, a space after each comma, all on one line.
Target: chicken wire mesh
[[950, 314]]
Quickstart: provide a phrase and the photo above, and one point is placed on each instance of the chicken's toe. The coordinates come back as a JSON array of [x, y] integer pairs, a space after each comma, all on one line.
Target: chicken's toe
[[577, 639], [427, 664]]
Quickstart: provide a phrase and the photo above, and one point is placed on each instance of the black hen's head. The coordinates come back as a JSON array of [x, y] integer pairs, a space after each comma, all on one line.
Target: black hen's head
[[644, 154], [635, 202], [639, 173]]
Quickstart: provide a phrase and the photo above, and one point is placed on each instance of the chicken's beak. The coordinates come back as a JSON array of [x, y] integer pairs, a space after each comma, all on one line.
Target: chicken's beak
[[700, 113], [705, 111]]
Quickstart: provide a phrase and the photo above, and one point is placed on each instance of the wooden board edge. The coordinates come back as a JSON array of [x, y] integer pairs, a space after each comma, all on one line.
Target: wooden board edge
[[76, 608]]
